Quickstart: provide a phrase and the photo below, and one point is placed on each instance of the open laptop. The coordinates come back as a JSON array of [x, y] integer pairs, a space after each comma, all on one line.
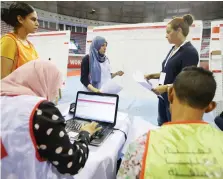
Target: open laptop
[[99, 107]]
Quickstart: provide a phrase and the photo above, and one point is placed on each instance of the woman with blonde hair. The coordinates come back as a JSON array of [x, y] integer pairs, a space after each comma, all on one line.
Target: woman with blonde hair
[[181, 55]]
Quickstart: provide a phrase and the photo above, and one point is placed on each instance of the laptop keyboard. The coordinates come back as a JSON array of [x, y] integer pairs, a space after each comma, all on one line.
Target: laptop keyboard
[[73, 125], [103, 131]]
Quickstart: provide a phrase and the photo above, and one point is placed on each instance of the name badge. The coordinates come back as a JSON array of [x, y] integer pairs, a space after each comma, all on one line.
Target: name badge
[[162, 78]]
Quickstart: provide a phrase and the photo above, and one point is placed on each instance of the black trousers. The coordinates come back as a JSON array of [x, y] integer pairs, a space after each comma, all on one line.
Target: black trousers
[[219, 122], [163, 110]]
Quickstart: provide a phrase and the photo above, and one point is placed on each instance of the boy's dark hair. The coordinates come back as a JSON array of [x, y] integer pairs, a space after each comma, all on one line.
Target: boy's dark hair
[[9, 16], [195, 86]]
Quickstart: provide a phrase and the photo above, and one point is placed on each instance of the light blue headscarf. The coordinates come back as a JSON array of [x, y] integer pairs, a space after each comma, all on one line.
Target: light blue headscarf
[[95, 58]]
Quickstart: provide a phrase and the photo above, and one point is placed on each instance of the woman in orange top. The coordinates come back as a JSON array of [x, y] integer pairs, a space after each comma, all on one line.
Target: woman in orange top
[[16, 50]]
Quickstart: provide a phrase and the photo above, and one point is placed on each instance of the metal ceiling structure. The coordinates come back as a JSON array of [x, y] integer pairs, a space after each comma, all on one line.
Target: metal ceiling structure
[[133, 11]]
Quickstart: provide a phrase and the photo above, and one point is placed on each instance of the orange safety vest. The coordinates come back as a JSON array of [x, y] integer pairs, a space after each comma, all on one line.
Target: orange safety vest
[[181, 150], [24, 53]]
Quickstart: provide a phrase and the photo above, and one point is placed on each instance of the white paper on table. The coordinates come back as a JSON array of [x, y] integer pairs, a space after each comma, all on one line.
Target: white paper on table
[[111, 87], [139, 78]]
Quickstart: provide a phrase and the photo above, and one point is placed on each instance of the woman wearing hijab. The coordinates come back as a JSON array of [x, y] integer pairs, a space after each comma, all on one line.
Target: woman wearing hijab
[[34, 143], [95, 67]]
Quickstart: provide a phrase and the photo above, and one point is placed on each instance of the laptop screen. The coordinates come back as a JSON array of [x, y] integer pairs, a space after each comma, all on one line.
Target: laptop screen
[[99, 108]]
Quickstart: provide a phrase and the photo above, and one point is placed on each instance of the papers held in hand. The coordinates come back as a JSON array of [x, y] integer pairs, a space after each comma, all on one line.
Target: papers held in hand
[[111, 87], [139, 78]]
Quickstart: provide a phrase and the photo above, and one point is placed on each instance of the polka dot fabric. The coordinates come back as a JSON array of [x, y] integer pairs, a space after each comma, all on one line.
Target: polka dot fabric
[[53, 142]]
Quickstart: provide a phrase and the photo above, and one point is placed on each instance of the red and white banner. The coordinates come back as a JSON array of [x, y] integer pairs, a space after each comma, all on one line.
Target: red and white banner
[[74, 61]]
